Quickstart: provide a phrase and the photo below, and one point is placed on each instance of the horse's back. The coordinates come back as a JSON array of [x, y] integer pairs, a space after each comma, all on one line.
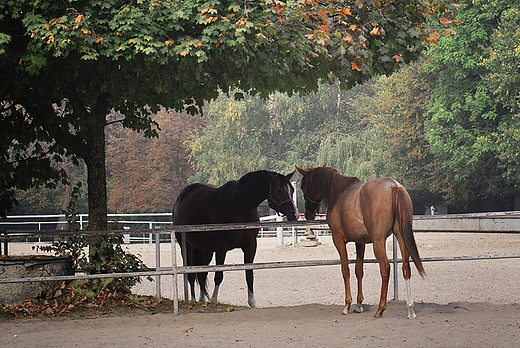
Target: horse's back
[[191, 204], [206, 204]]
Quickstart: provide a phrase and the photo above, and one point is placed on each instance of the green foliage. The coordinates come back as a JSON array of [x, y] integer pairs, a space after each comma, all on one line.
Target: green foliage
[[504, 60], [504, 80], [463, 114], [330, 125], [88, 57], [111, 256], [105, 253]]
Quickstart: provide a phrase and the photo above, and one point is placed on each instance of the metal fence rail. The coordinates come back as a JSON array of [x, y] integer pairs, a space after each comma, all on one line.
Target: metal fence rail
[[175, 270]]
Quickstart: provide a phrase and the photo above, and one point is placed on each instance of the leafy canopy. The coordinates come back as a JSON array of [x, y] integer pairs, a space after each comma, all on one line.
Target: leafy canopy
[[216, 42], [67, 64]]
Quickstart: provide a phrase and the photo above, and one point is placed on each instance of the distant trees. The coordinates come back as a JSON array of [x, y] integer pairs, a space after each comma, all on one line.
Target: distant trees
[[143, 174], [146, 174], [280, 132], [401, 150], [447, 126], [464, 115]]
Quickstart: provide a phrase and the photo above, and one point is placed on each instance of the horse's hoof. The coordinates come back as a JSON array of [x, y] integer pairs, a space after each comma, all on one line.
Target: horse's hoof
[[346, 311], [357, 308]]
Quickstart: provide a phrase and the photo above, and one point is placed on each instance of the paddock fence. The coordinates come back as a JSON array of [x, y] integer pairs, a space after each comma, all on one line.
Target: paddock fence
[[507, 222]]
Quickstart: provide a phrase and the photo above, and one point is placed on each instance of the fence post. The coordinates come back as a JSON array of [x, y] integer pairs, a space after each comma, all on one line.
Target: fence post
[[174, 266], [279, 232], [184, 264], [157, 264], [5, 243]]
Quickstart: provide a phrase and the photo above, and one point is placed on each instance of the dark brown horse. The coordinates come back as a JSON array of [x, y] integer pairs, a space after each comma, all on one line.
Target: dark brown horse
[[364, 213], [235, 201]]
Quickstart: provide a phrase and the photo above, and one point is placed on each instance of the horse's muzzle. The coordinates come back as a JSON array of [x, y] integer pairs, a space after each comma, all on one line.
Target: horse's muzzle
[[293, 215], [309, 215]]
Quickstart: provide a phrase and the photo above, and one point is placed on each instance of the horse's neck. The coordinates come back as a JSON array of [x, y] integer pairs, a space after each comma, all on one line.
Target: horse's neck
[[253, 189], [337, 184]]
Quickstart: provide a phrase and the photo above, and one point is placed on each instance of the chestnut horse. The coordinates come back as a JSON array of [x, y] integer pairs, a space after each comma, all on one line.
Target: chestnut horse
[[235, 201], [364, 213]]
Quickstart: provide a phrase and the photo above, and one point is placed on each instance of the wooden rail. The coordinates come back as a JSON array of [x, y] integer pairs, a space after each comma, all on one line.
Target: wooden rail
[[479, 223]]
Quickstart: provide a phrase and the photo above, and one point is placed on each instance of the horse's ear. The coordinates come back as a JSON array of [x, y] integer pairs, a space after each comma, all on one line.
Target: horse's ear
[[289, 176], [325, 164], [301, 171]]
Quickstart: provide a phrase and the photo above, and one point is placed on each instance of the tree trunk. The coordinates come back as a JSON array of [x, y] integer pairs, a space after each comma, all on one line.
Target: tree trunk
[[97, 183], [97, 179]]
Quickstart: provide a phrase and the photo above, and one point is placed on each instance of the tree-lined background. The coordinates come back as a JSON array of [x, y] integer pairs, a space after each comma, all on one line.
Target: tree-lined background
[[446, 125]]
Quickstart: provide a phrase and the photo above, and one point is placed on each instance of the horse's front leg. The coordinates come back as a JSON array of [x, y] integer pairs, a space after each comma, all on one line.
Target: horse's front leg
[[360, 255], [249, 256], [220, 257], [341, 247]]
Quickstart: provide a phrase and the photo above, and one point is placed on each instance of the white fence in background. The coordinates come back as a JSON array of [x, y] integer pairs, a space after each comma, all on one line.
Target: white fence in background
[[59, 221], [133, 222]]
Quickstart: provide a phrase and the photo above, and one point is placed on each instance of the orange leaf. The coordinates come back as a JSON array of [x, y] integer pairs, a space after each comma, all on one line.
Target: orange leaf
[[432, 39], [79, 18], [352, 27], [355, 66], [375, 31], [346, 11], [261, 35]]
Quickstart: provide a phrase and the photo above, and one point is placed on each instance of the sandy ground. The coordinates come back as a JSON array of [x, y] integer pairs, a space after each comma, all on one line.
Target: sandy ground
[[458, 304]]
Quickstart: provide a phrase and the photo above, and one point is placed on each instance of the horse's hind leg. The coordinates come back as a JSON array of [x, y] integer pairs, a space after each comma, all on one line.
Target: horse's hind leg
[[188, 260], [384, 268], [407, 273], [201, 258], [201, 278], [360, 255], [191, 281], [219, 275]]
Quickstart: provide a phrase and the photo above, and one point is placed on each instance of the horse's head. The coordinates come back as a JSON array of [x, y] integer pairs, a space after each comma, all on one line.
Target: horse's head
[[312, 198], [280, 195]]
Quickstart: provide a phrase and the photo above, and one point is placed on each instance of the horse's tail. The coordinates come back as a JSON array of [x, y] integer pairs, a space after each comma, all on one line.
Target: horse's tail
[[403, 209], [202, 280]]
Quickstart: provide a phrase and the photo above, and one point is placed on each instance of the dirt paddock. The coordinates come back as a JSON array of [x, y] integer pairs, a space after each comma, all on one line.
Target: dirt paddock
[[458, 304]]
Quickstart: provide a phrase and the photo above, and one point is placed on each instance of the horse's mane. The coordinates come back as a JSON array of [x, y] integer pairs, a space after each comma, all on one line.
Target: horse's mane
[[329, 177]]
